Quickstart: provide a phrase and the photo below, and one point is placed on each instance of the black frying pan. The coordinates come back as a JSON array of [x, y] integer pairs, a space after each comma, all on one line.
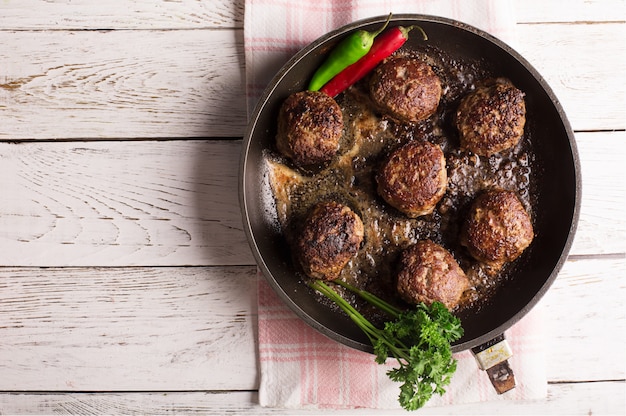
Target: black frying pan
[[559, 190]]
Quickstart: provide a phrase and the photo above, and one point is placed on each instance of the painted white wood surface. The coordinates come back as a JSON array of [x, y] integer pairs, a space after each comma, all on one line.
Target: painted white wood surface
[[121, 203], [186, 14], [149, 203], [121, 84], [181, 328], [126, 329], [563, 399], [572, 11], [188, 83], [120, 14], [126, 283]]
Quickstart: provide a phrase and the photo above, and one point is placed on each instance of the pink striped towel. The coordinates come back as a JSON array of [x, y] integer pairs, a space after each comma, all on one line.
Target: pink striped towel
[[274, 30], [301, 368]]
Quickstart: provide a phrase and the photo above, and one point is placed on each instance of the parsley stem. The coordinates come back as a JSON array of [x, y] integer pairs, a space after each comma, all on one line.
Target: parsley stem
[[373, 299], [419, 339], [355, 315], [373, 333]]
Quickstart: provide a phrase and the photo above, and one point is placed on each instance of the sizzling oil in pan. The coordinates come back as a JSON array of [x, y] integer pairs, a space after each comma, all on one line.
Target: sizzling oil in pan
[[350, 178]]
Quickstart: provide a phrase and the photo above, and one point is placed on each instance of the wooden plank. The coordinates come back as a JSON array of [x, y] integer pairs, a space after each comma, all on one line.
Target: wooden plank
[[603, 194], [185, 14], [121, 84], [542, 11], [601, 398], [189, 83], [131, 203], [584, 64], [121, 203], [74, 329], [135, 203], [128, 329], [120, 14], [585, 321]]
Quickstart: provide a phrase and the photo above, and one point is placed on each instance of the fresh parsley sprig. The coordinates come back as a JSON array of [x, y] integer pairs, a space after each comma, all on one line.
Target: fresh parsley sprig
[[419, 339]]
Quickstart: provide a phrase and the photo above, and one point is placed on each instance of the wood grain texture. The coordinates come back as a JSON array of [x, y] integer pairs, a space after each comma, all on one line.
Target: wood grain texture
[[601, 398], [189, 83], [589, 85], [185, 14], [169, 328], [181, 339], [175, 203], [121, 84], [121, 203], [585, 321], [128, 329], [120, 14], [576, 11], [602, 226]]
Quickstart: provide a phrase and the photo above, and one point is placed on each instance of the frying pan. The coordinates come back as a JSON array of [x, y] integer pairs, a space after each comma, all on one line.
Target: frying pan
[[558, 190]]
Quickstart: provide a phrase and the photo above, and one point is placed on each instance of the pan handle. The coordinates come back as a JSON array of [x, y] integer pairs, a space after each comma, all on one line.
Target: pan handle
[[492, 356]]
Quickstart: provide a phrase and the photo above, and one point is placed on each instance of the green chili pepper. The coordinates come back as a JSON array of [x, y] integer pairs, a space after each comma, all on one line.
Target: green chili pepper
[[347, 52]]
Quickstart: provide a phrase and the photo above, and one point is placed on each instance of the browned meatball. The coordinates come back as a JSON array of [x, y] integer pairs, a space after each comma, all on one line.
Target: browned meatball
[[498, 228], [413, 178], [491, 118], [310, 124], [406, 88], [428, 273], [331, 236]]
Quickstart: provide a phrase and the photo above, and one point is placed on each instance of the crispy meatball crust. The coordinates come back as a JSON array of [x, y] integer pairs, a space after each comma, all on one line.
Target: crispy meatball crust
[[498, 228], [428, 273], [413, 178], [491, 118], [405, 88], [331, 236], [310, 124]]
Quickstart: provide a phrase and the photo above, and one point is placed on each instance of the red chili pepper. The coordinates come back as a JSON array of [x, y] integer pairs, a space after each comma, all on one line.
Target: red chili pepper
[[385, 44]]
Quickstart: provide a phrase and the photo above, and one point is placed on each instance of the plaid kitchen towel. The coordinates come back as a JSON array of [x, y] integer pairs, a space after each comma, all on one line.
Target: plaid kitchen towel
[[301, 368], [274, 30]]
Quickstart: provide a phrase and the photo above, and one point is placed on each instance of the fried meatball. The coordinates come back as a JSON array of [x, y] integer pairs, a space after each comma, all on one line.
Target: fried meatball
[[498, 228], [428, 273], [405, 88], [413, 178], [491, 118], [331, 236], [310, 124]]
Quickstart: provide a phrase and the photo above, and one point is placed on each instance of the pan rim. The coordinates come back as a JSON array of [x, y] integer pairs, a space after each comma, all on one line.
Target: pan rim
[[416, 19]]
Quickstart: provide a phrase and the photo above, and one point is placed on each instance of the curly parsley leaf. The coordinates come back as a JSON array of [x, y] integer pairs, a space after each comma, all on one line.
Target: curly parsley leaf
[[419, 339]]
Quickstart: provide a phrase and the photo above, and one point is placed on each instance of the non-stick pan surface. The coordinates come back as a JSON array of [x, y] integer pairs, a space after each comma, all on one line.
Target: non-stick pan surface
[[558, 193]]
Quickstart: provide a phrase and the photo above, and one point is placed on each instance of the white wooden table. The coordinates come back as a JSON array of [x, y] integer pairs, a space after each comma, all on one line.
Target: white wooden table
[[126, 282]]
